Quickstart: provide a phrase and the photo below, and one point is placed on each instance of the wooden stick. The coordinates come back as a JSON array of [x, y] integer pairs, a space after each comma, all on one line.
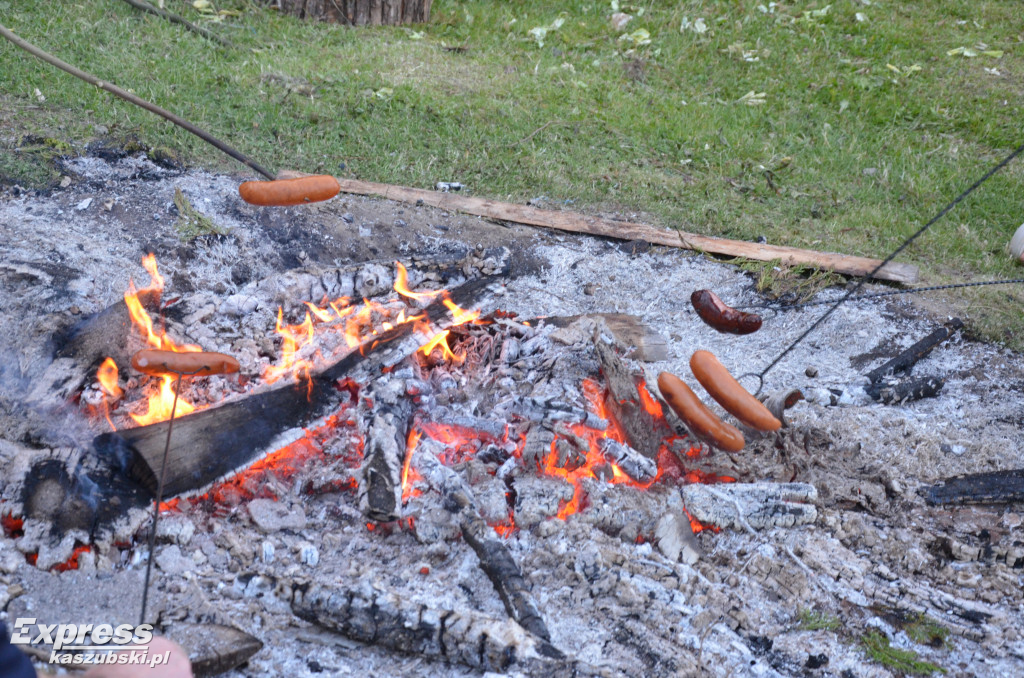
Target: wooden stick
[[174, 18], [131, 98], [623, 230], [908, 358]]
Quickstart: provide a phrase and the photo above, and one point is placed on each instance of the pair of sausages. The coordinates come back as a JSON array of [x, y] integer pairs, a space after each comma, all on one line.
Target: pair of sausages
[[724, 388], [201, 364], [285, 192]]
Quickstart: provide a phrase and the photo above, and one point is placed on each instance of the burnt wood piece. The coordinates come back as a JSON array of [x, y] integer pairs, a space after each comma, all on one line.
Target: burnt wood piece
[[213, 648], [992, 487], [643, 431], [495, 559], [79, 349], [380, 493], [629, 330], [638, 467], [894, 392], [908, 358], [212, 443], [390, 620]]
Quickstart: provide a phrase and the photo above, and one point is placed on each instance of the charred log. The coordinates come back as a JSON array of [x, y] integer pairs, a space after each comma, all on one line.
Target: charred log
[[380, 493], [643, 431], [392, 621], [495, 559], [894, 392], [214, 648], [994, 487], [756, 505], [908, 358], [79, 349]]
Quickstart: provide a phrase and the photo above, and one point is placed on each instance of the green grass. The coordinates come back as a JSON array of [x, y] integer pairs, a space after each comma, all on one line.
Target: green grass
[[844, 154], [812, 620], [904, 662]]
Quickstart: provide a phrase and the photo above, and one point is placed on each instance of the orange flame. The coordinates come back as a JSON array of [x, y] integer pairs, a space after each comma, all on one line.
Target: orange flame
[[409, 474], [107, 376], [158, 408], [402, 286]]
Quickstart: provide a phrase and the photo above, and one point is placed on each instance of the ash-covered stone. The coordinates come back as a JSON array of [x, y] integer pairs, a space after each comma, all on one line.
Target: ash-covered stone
[[272, 516]]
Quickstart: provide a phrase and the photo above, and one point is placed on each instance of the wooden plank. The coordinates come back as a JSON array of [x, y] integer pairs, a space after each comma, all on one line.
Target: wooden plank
[[623, 230]]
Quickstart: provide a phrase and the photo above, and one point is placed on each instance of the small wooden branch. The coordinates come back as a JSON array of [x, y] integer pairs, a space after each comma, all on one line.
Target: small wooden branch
[[131, 98], [905, 360], [622, 230], [994, 487], [174, 18]]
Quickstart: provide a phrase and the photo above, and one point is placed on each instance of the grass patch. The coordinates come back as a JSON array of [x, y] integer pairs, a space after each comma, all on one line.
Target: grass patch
[[865, 126], [924, 630], [877, 646], [812, 620], [791, 285], [192, 223]]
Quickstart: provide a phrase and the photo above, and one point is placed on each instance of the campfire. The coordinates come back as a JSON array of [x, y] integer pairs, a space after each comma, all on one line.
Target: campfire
[[451, 465]]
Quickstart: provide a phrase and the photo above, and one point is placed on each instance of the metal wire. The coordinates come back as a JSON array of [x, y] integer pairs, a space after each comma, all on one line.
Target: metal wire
[[906, 243], [876, 295]]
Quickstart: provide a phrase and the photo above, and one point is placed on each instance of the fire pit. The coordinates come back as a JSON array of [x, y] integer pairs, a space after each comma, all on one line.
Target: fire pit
[[460, 464]]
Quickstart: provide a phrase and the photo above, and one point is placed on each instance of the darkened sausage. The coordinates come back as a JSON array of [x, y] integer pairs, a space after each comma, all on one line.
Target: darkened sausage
[[714, 312], [153, 361], [721, 385], [704, 423], [290, 191]]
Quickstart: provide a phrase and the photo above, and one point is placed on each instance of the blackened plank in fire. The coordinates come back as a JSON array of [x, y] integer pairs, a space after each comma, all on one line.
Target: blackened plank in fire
[[211, 444]]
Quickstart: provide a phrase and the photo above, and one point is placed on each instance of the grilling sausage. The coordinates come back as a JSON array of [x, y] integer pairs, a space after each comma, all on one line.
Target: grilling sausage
[[721, 385], [717, 314], [698, 418], [283, 192], [156, 362]]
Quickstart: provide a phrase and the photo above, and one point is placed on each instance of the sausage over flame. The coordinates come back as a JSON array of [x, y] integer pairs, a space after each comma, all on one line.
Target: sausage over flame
[[715, 313], [156, 362], [721, 385], [284, 192], [698, 418]]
